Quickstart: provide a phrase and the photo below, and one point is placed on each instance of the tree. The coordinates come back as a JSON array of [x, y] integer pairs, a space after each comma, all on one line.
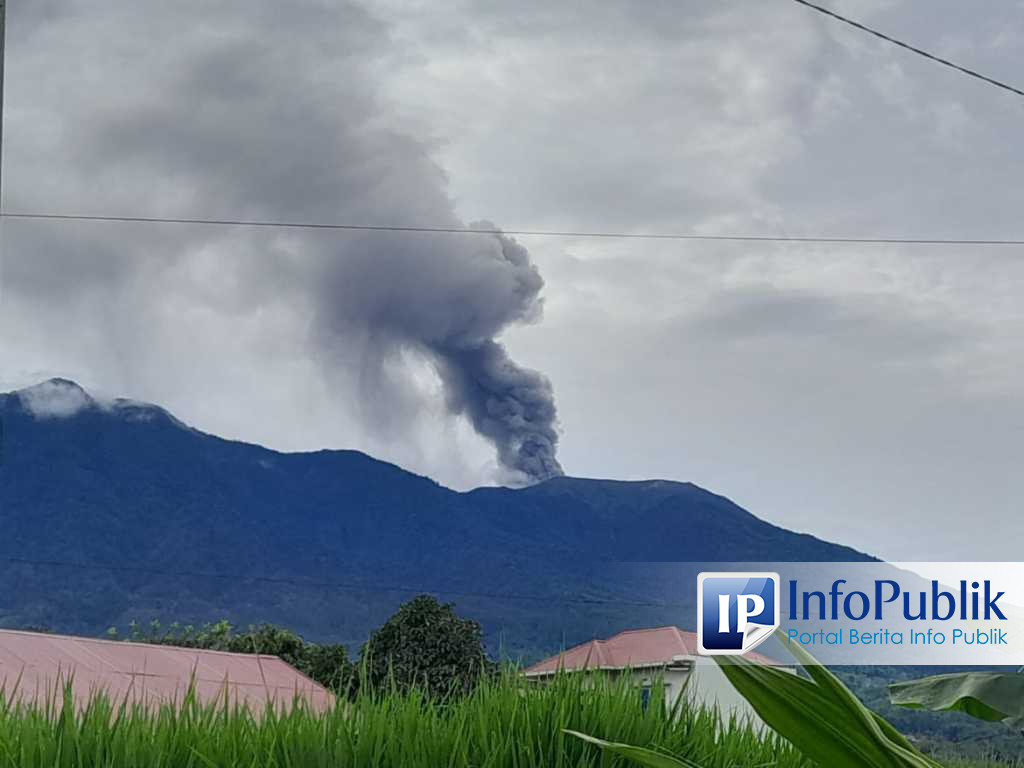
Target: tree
[[327, 664], [428, 646]]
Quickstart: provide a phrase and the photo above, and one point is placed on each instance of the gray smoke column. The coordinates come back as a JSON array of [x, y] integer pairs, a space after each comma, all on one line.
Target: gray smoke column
[[449, 297], [511, 406]]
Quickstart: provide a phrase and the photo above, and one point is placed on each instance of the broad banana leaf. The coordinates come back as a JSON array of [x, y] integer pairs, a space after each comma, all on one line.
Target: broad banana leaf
[[996, 696]]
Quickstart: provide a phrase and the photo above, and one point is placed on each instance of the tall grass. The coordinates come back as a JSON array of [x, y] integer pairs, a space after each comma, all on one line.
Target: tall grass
[[505, 722]]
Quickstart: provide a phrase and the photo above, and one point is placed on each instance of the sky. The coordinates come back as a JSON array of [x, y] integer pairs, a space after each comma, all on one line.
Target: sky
[[868, 394]]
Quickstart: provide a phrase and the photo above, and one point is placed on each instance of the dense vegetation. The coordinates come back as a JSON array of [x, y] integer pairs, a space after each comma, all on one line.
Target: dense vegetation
[[424, 645], [503, 722]]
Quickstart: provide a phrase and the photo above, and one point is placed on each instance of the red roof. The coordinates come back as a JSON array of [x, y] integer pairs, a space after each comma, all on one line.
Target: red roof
[[33, 666], [633, 648]]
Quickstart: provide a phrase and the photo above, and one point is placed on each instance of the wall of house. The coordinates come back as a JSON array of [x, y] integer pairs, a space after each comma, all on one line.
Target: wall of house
[[708, 685], [674, 679], [702, 681], [704, 684]]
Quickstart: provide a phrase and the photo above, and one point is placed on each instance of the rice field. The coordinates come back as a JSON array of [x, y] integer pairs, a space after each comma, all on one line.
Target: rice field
[[505, 723]]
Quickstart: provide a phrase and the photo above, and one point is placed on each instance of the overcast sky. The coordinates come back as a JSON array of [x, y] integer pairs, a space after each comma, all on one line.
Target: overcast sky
[[871, 395]]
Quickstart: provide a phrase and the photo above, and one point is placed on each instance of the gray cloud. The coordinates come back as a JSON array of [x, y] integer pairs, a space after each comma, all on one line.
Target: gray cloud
[[864, 321]]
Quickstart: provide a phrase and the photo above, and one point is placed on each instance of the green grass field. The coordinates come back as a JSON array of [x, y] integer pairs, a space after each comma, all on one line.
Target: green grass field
[[505, 723]]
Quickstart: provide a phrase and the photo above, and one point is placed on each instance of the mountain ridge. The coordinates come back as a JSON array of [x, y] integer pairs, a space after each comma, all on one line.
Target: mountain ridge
[[85, 482]]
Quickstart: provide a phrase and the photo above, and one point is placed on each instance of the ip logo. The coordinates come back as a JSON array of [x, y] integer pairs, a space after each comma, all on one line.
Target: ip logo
[[736, 612]]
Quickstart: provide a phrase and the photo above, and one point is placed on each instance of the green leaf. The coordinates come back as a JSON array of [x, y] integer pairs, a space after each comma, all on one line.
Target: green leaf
[[820, 716], [878, 726], [994, 696], [646, 757]]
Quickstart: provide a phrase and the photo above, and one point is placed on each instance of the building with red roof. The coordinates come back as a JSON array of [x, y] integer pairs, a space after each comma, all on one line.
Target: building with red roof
[[35, 666], [668, 653]]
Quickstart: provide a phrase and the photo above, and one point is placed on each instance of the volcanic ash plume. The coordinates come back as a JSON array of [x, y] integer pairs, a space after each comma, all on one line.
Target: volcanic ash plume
[[511, 406], [450, 297]]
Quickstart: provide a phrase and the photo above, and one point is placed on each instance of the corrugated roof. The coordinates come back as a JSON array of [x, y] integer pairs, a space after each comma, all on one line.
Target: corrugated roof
[[633, 648], [34, 665]]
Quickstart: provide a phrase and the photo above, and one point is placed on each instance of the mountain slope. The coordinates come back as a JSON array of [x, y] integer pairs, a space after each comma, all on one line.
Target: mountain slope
[[118, 511]]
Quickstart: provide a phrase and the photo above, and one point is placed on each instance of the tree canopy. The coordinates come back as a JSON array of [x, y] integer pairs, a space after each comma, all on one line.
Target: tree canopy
[[426, 645]]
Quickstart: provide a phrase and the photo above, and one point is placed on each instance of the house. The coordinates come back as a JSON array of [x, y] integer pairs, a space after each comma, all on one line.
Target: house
[[34, 666], [668, 653]]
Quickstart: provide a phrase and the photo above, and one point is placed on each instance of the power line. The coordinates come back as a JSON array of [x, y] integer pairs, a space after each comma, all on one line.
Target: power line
[[518, 232], [911, 48], [341, 586]]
